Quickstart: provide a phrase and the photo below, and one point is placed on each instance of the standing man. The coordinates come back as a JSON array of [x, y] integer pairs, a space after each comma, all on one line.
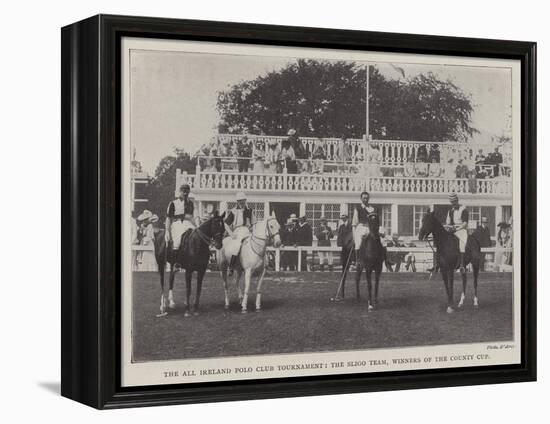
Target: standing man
[[345, 241], [457, 223], [484, 238], [324, 234], [179, 219], [304, 237], [238, 223]]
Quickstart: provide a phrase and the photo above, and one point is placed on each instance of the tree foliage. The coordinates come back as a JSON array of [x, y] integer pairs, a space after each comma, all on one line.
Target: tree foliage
[[327, 99], [160, 190]]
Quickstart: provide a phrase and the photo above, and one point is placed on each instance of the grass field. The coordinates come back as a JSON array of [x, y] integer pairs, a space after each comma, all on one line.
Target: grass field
[[298, 316]]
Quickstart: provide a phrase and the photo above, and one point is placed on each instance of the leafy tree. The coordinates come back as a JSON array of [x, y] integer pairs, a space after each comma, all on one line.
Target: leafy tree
[[327, 99], [160, 190]]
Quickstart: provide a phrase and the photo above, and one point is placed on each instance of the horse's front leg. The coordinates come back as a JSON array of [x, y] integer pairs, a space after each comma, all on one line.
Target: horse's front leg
[[464, 284], [162, 297], [200, 276], [445, 275], [188, 278], [475, 267], [368, 271], [259, 291], [358, 273], [171, 303], [377, 273], [225, 287], [247, 277]]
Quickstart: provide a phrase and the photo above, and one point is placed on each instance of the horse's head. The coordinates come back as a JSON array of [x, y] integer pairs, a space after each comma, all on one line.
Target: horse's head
[[373, 223], [427, 226], [216, 229], [272, 229]]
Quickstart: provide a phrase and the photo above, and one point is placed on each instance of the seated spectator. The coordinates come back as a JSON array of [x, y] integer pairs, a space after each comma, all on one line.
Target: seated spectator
[[298, 150], [472, 181], [408, 170], [461, 169], [319, 156], [434, 156], [343, 153], [244, 152], [289, 156], [421, 169], [324, 234], [274, 158], [258, 155], [434, 169], [495, 159], [450, 169], [422, 154], [480, 157], [375, 159]]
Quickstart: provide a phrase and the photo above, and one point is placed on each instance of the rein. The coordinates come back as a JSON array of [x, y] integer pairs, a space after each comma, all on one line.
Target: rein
[[255, 239]]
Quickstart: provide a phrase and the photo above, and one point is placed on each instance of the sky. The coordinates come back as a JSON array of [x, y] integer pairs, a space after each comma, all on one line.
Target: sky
[[173, 96]]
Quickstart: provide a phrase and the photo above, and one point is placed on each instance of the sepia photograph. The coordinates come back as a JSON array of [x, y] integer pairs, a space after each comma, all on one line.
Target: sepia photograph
[[294, 211]]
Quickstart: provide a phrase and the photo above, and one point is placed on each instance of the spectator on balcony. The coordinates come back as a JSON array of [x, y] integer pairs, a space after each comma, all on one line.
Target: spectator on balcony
[[450, 169], [244, 152], [480, 158], [304, 237], [258, 155], [343, 154], [274, 158], [375, 160], [434, 156], [408, 170], [324, 234], [298, 148], [214, 162], [495, 159], [318, 156], [461, 169], [472, 181], [421, 169], [422, 154], [289, 156], [435, 168]]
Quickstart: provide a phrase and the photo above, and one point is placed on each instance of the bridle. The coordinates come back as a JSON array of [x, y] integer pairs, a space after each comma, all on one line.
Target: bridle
[[257, 240]]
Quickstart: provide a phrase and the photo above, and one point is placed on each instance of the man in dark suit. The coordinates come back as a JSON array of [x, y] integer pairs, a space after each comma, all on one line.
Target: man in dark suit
[[287, 239], [344, 240], [304, 237]]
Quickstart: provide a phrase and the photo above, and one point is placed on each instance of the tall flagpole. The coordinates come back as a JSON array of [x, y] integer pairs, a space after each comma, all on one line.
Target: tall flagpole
[[367, 114]]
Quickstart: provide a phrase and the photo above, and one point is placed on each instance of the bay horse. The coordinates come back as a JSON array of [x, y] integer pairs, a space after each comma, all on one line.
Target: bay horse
[[371, 258], [192, 255], [252, 258], [448, 257]]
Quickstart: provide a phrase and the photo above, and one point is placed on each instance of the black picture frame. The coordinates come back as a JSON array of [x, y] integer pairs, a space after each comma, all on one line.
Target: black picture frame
[[91, 245]]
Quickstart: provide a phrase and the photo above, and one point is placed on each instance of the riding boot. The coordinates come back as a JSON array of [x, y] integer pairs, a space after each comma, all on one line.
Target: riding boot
[[232, 264]]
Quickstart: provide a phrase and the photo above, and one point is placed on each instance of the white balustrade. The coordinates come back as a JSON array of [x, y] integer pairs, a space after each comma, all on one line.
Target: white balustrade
[[334, 183]]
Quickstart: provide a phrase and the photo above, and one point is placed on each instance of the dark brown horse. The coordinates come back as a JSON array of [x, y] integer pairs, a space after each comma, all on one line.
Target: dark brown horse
[[371, 258], [448, 257], [192, 255]]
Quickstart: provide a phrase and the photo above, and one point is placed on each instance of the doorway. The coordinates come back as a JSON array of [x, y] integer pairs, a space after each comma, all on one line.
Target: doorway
[[283, 210]]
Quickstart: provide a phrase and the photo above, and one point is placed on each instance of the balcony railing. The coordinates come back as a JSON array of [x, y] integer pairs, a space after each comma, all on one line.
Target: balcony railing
[[392, 152], [303, 183]]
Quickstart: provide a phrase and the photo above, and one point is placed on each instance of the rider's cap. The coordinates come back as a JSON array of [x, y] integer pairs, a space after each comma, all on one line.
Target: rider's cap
[[453, 197], [240, 196], [293, 217], [291, 131], [185, 186]]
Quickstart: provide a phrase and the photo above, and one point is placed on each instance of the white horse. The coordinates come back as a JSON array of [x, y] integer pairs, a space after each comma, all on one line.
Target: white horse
[[252, 257]]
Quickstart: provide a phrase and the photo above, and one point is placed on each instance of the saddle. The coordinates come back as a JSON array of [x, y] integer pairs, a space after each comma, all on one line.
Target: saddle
[[178, 256]]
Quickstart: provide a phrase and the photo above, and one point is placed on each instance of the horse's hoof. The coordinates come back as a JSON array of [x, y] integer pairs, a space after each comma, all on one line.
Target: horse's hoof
[[186, 314], [258, 309], [371, 308], [244, 311], [226, 307], [450, 310], [476, 303], [162, 314], [172, 305], [196, 313]]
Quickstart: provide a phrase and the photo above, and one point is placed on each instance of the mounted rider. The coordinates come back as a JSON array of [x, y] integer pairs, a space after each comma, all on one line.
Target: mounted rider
[[238, 224], [179, 219], [360, 223], [457, 223]]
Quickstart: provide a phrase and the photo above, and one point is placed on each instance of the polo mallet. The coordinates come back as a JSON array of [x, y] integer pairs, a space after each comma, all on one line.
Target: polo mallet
[[344, 274]]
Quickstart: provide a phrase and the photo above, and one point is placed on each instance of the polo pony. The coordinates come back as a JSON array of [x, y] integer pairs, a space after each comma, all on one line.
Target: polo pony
[[448, 257], [252, 258], [192, 255]]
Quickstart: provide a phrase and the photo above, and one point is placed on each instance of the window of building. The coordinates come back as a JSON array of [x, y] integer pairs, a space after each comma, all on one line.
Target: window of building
[[409, 219], [331, 211]]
